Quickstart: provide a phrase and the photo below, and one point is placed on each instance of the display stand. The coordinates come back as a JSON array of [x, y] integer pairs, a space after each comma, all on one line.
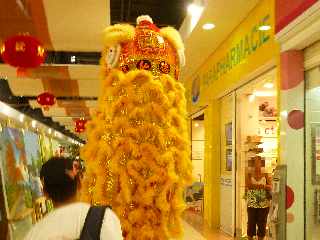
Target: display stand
[[268, 133], [278, 204]]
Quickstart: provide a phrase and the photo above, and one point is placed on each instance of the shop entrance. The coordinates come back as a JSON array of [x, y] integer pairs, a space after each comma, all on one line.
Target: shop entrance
[[248, 135], [312, 147], [256, 147], [194, 194]]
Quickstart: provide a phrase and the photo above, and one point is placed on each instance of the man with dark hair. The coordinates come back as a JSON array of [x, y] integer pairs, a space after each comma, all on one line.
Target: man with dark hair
[[71, 220]]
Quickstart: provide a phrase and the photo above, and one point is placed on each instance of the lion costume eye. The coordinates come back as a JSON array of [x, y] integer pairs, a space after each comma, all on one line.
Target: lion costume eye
[[112, 56]]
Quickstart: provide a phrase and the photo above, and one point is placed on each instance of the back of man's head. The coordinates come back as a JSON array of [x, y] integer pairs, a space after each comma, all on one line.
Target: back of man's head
[[58, 183]]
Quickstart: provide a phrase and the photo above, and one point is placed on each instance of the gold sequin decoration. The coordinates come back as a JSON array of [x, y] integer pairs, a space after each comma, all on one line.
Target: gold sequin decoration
[[110, 99], [123, 159], [108, 137], [136, 122], [124, 111], [122, 131], [115, 82], [131, 205], [145, 173], [122, 92], [131, 181], [168, 143]]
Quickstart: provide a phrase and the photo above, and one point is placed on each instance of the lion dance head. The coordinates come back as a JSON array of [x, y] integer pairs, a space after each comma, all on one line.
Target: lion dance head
[[137, 154]]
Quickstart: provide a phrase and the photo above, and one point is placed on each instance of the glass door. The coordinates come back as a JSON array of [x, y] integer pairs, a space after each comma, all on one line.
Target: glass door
[[227, 163], [312, 154]]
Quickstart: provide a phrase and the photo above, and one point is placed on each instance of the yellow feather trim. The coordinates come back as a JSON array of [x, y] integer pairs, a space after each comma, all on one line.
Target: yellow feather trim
[[118, 33], [173, 36]]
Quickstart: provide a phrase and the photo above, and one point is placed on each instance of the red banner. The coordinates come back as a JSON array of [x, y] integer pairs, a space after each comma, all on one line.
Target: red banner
[[287, 11]]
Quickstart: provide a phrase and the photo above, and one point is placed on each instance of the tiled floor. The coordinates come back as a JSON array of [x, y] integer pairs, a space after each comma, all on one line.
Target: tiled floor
[[190, 233], [195, 229]]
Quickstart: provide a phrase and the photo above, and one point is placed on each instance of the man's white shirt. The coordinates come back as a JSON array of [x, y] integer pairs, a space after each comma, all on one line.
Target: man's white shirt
[[66, 223]]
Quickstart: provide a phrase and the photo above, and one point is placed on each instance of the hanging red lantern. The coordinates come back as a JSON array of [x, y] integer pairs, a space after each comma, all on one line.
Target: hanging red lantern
[[22, 51], [79, 130], [80, 125], [46, 100], [22, 72]]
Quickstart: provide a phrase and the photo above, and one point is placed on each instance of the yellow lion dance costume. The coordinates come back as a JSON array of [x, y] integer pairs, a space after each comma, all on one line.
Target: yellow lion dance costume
[[137, 156]]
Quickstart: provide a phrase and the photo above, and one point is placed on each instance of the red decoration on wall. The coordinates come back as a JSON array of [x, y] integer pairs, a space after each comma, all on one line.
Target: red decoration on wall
[[296, 119], [23, 51], [46, 100], [289, 197], [292, 69]]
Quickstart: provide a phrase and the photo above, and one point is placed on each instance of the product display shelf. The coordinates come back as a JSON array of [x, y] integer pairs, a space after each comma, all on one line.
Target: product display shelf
[[267, 136], [252, 147], [271, 119]]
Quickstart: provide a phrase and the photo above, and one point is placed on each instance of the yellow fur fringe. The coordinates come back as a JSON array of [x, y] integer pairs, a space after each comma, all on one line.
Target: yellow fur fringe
[[118, 33], [173, 36], [138, 154]]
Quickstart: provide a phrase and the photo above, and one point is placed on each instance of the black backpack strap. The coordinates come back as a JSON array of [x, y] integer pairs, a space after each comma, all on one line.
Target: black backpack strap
[[92, 225]]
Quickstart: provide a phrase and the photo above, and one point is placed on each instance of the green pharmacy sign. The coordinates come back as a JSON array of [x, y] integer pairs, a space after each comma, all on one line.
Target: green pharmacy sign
[[240, 51]]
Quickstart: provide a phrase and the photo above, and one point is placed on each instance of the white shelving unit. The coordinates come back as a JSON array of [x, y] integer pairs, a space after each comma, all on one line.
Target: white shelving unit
[[268, 132]]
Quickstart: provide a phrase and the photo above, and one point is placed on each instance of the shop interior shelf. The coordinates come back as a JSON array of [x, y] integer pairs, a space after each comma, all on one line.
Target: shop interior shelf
[[264, 136], [269, 119]]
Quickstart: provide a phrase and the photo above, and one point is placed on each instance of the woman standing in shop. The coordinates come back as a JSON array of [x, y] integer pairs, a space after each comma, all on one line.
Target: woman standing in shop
[[258, 188]]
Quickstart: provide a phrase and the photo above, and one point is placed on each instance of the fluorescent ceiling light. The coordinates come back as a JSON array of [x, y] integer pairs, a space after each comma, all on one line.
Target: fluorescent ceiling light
[[251, 97], [264, 28], [208, 26], [264, 93], [21, 117], [6, 110], [73, 59], [268, 85], [284, 113], [195, 9], [34, 123]]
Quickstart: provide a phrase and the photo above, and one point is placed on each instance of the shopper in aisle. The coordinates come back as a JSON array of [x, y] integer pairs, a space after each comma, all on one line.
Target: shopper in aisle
[[71, 219], [258, 200]]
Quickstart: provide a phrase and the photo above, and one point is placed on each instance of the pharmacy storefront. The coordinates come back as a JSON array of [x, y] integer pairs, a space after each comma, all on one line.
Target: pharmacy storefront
[[236, 89]]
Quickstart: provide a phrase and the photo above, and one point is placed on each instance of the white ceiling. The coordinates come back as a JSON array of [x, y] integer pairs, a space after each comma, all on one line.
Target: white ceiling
[[226, 15], [77, 25]]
